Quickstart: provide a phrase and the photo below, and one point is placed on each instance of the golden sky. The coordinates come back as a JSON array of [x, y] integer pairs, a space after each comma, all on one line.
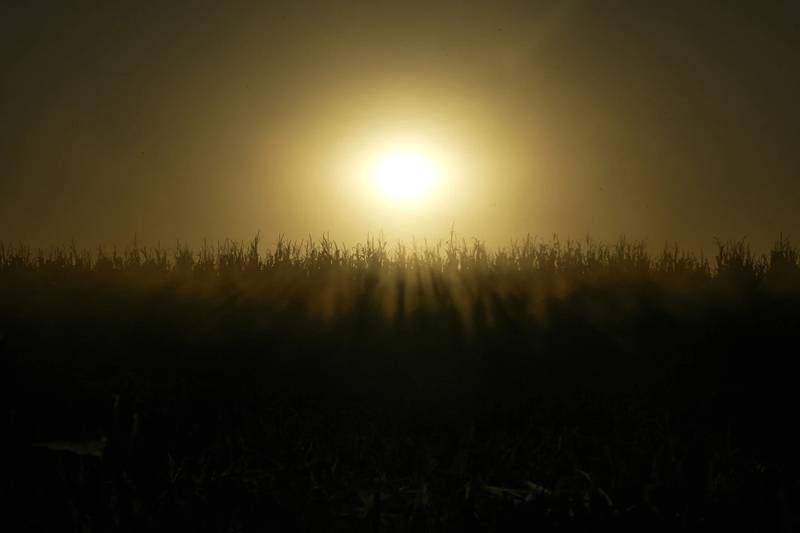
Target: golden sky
[[672, 121]]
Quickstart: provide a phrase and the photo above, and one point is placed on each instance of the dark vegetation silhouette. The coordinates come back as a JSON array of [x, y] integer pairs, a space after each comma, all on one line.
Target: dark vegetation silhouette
[[448, 387]]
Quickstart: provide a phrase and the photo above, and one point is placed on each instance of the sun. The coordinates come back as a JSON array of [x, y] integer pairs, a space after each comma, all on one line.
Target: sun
[[405, 176]]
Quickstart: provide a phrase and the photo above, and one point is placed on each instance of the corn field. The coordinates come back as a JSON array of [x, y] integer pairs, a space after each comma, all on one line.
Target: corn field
[[443, 386]]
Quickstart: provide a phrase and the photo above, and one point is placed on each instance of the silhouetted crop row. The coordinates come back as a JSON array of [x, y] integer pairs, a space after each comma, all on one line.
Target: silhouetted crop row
[[530, 255]]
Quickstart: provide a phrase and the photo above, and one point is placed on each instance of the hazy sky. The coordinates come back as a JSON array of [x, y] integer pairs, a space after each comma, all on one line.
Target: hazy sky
[[673, 120]]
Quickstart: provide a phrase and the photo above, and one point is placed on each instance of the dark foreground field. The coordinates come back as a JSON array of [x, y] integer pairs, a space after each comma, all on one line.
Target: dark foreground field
[[549, 387]]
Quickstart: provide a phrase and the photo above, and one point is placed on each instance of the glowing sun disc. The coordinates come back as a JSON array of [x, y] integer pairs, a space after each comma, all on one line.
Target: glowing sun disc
[[405, 176]]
